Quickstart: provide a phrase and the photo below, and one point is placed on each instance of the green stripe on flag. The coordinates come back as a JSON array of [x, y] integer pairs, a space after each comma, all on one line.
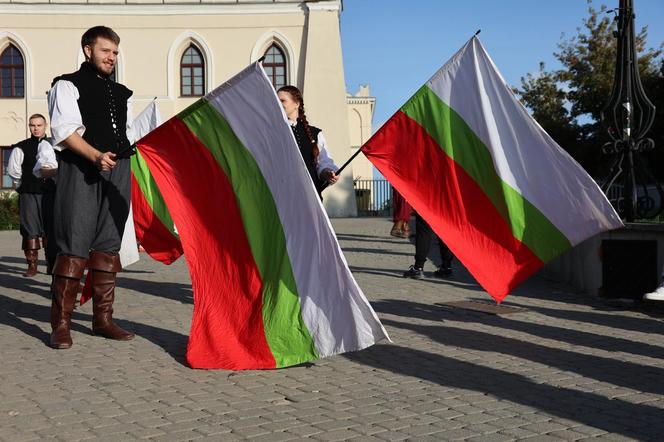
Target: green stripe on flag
[[461, 144], [286, 333], [151, 192]]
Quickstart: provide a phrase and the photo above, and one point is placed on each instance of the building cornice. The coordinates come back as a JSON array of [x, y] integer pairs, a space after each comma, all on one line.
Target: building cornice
[[324, 6], [166, 8], [360, 100]]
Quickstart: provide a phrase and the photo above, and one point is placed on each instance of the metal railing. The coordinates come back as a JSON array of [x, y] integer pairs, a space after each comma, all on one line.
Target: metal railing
[[648, 198], [373, 197]]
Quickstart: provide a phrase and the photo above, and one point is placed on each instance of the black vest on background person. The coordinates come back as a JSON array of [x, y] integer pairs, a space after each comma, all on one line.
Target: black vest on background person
[[29, 182], [103, 106], [307, 151]]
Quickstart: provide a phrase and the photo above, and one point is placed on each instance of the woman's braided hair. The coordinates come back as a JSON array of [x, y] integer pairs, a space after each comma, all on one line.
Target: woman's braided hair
[[296, 95]]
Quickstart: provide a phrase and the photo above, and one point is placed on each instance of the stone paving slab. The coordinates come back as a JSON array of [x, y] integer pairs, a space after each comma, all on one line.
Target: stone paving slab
[[566, 367]]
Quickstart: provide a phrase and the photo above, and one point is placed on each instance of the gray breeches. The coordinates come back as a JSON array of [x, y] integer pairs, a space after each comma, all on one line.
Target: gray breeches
[[91, 207], [30, 215]]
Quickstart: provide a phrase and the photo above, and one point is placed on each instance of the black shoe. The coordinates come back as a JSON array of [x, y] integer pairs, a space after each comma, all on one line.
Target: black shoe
[[443, 272], [414, 272]]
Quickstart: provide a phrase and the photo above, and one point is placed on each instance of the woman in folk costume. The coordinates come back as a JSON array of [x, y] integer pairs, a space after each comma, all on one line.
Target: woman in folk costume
[[310, 140]]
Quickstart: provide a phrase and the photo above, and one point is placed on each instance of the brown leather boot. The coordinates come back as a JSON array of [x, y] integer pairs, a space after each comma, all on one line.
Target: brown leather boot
[[31, 250], [67, 273], [103, 267]]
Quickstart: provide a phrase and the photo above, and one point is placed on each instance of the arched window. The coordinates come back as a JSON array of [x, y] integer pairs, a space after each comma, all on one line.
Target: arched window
[[275, 66], [192, 73], [11, 73]]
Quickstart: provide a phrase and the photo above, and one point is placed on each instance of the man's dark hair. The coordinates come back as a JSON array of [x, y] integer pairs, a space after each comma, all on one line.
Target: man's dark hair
[[91, 35]]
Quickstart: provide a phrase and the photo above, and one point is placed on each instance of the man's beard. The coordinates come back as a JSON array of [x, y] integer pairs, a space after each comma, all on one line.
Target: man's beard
[[99, 68]]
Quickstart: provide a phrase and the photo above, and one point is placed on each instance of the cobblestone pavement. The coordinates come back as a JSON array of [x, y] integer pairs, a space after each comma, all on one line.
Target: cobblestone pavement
[[565, 367]]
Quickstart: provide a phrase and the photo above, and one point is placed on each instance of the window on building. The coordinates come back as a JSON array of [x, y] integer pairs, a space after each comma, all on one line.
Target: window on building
[[192, 70], [5, 151], [11, 73], [275, 66]]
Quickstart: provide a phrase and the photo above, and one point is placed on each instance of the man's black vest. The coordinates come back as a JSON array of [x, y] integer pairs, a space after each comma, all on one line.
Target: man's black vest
[[307, 151], [29, 182], [103, 106]]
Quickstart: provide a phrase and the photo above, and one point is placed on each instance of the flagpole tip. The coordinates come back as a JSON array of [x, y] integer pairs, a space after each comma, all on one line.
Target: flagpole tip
[[477, 33]]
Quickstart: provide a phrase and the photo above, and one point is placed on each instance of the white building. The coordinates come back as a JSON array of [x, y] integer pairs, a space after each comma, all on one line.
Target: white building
[[178, 50], [361, 108]]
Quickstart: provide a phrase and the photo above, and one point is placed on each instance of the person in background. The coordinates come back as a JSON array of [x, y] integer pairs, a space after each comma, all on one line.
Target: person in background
[[401, 215], [658, 294], [32, 190], [310, 140], [424, 235]]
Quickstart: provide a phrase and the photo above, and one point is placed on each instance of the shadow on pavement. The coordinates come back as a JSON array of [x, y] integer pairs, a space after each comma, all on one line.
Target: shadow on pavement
[[617, 416], [513, 322], [604, 319], [14, 312], [616, 372], [375, 251], [12, 279], [456, 280], [570, 296], [370, 239], [137, 272], [168, 290]]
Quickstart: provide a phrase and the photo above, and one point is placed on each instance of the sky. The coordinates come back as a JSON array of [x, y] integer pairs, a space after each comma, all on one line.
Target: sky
[[395, 46]]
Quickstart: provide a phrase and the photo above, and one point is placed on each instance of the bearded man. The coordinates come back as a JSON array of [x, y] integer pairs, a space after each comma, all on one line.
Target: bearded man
[[90, 116]]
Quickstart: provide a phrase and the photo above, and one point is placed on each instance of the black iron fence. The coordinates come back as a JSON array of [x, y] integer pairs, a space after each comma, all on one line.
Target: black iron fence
[[648, 199], [373, 197]]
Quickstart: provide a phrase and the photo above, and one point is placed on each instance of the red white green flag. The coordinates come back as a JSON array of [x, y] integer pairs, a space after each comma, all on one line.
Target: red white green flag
[[153, 224], [479, 169], [271, 285]]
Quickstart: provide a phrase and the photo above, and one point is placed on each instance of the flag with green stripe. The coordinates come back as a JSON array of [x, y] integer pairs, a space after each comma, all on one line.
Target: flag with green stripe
[[271, 286], [479, 169], [155, 230], [153, 226]]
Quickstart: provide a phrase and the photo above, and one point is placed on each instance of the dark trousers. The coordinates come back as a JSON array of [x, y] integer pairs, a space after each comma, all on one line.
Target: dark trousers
[[91, 207], [424, 235], [48, 205], [30, 215]]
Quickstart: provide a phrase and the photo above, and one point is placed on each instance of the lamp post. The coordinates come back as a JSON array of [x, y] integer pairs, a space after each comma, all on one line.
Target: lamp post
[[628, 116]]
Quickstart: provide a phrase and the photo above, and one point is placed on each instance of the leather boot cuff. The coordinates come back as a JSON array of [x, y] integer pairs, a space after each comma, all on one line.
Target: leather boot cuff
[[69, 266], [31, 244], [104, 262]]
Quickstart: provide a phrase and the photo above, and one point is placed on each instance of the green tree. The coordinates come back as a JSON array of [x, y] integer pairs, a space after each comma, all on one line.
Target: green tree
[[8, 211], [543, 94], [568, 102]]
